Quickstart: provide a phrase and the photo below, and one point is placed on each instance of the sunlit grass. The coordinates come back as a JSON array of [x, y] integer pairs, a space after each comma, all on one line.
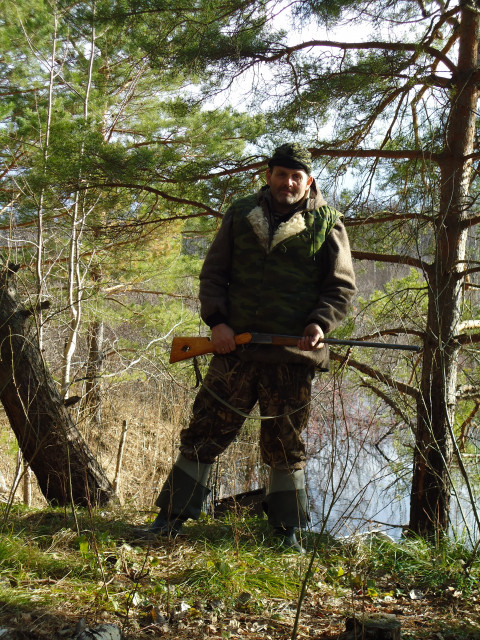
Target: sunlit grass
[[71, 563], [418, 563]]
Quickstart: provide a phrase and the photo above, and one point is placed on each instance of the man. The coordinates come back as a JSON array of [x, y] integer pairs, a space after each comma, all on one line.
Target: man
[[280, 263]]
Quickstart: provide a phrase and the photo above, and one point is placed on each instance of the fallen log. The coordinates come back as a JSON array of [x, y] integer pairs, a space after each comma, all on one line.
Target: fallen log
[[249, 500]]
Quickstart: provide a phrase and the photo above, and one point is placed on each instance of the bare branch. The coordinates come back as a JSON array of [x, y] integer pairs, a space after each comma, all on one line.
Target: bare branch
[[465, 427], [397, 331], [385, 217], [404, 154], [378, 375], [468, 392], [469, 272], [387, 398], [472, 221], [158, 192], [466, 339], [126, 289]]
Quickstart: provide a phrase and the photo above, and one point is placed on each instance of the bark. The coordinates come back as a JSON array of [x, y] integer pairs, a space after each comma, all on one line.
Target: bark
[[93, 385], [430, 496], [65, 468]]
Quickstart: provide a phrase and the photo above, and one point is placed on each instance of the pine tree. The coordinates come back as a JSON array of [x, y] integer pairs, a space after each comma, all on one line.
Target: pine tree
[[401, 110]]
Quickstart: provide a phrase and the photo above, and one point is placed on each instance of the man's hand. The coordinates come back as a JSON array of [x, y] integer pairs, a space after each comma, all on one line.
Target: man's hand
[[312, 338], [223, 338]]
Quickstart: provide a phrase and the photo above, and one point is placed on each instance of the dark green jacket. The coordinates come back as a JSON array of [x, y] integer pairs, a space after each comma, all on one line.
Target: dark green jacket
[[278, 283], [275, 283]]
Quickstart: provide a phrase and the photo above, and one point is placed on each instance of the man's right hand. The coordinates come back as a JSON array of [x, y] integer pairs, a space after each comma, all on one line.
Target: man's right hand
[[223, 339]]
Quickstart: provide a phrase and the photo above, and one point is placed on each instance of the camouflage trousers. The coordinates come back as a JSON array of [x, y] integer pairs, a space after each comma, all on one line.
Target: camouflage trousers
[[232, 387]]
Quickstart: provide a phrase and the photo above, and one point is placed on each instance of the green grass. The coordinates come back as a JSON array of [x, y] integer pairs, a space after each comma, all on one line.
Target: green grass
[[416, 563], [93, 564], [24, 558], [218, 573]]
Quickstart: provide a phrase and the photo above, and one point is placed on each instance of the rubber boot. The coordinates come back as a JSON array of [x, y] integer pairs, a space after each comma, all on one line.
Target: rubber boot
[[286, 506], [182, 497]]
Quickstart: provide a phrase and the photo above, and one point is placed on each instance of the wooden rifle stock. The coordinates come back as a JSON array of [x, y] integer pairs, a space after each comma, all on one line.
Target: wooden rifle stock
[[186, 347]]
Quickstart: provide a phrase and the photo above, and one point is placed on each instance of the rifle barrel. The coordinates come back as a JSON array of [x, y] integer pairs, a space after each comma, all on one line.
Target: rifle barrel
[[376, 345], [266, 338]]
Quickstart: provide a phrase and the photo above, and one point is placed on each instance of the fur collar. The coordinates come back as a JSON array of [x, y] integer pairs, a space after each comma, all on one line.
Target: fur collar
[[292, 227]]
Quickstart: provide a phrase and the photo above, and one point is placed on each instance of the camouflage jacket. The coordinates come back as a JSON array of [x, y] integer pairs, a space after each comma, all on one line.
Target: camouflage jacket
[[278, 281]]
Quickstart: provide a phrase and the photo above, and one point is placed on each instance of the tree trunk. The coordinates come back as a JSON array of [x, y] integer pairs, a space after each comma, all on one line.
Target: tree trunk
[[430, 497], [93, 386], [65, 468]]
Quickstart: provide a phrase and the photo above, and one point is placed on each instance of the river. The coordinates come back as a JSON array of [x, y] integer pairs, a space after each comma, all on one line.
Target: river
[[356, 487]]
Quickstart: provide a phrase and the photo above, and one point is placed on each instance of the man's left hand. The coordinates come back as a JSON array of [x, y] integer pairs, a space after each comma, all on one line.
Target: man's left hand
[[312, 338]]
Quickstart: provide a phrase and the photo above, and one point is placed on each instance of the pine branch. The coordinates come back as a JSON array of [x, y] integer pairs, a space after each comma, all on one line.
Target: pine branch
[[383, 46], [391, 259]]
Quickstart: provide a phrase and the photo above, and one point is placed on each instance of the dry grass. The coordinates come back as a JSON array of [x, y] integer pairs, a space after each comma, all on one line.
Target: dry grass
[[154, 416]]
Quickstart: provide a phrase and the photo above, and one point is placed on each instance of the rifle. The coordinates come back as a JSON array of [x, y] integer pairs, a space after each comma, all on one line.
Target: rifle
[[186, 347]]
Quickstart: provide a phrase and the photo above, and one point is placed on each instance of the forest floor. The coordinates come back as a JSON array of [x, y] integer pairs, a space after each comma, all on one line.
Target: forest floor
[[61, 571]]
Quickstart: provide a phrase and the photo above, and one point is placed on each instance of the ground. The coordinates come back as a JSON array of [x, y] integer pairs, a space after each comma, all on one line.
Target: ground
[[221, 579]]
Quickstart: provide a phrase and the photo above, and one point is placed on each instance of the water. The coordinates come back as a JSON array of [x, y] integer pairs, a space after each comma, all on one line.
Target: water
[[356, 487], [353, 488]]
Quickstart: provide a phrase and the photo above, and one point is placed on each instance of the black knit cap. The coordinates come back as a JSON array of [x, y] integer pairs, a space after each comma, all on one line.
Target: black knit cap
[[292, 156]]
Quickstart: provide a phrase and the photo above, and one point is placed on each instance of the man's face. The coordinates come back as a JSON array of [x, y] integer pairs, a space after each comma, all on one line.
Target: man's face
[[288, 186]]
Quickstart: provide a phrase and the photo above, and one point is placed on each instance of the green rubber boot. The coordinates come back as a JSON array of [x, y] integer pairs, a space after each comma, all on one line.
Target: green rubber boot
[[182, 497], [286, 506]]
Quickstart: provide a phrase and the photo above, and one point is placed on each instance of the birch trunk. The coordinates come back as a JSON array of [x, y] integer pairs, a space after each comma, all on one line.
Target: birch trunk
[[41, 199], [79, 214], [74, 297]]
